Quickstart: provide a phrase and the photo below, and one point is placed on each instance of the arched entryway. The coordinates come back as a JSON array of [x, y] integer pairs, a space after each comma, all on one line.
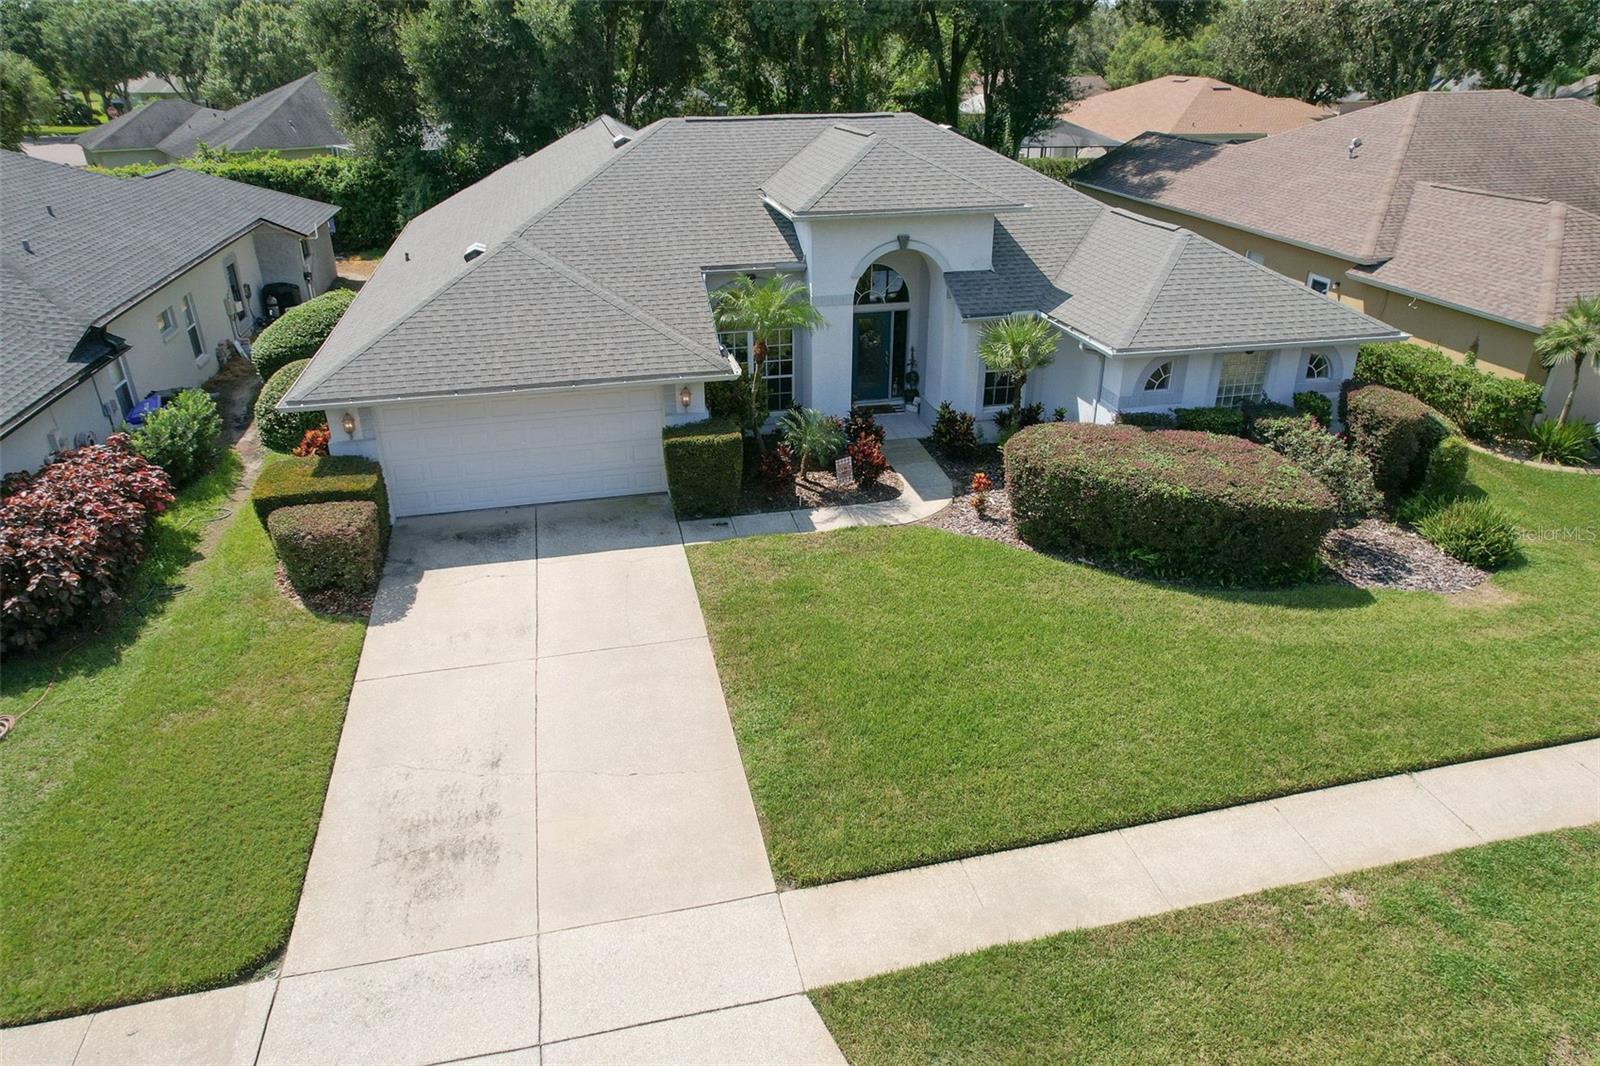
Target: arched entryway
[[882, 336]]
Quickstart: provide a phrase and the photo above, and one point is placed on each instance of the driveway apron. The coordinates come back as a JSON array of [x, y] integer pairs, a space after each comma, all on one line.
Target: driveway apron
[[538, 830]]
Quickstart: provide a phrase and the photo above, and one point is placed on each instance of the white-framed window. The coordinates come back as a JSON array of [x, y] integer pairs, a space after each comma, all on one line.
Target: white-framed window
[[777, 371], [191, 323], [998, 390], [1319, 284], [1256, 257], [1160, 378], [167, 322], [122, 386], [1243, 378], [1318, 367]]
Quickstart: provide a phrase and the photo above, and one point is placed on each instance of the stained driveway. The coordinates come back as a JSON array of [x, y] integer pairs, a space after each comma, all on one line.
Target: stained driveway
[[538, 830]]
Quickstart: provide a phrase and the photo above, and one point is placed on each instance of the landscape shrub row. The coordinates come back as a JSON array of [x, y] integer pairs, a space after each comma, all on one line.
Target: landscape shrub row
[[1395, 431], [321, 479], [71, 534], [299, 332], [1485, 406], [705, 466], [1307, 444], [1175, 503], [282, 431]]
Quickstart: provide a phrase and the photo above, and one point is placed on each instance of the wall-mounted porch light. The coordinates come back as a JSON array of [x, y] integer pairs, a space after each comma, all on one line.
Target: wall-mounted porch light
[[685, 397], [349, 424]]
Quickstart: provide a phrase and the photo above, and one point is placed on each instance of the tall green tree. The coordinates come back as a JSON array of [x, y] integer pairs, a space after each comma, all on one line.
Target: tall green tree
[[355, 44], [1573, 339], [1405, 46], [1142, 52], [1173, 18], [763, 309], [24, 30], [1094, 38], [100, 45], [775, 56], [1527, 44], [26, 99], [1018, 345], [181, 51], [634, 59], [1295, 48], [1023, 60], [257, 46]]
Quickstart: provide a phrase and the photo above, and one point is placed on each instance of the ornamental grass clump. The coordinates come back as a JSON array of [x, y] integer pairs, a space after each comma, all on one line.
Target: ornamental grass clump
[[1179, 503]]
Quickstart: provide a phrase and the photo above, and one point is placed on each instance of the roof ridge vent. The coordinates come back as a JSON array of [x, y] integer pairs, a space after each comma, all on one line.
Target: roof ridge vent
[[475, 249]]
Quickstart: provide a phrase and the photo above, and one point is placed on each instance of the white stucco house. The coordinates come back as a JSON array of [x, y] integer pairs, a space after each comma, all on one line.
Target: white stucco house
[[526, 340], [114, 288]]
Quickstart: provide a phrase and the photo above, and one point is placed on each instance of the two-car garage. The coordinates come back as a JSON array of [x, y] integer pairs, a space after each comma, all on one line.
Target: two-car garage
[[505, 451]]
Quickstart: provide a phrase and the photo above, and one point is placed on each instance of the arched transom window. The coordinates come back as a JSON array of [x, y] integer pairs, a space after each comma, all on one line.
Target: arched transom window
[[1160, 377], [1318, 368], [882, 285]]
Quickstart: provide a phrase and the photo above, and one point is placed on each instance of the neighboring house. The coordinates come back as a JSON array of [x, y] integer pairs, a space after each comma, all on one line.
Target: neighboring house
[[1067, 140], [119, 287], [526, 340], [293, 120], [154, 87], [1468, 219], [1202, 109]]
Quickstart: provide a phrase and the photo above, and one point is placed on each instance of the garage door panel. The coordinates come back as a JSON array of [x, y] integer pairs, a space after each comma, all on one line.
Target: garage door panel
[[504, 451]]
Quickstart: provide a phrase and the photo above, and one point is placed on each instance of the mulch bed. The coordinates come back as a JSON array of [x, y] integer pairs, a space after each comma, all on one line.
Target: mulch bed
[[817, 489], [1379, 554], [1370, 554], [334, 602]]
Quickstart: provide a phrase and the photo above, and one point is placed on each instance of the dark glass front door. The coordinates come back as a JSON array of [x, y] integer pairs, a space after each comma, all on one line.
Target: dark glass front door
[[874, 344]]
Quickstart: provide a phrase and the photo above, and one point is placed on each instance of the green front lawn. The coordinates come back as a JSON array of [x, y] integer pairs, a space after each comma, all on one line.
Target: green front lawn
[[160, 801], [906, 695], [1486, 955]]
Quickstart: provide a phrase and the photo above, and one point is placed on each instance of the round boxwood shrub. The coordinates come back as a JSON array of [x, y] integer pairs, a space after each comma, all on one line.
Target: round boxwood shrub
[[282, 430], [1396, 432], [334, 545], [1176, 503], [299, 333]]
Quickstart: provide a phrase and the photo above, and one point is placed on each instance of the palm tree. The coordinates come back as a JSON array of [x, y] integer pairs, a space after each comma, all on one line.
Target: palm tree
[[1573, 338], [814, 436], [1017, 346], [762, 309]]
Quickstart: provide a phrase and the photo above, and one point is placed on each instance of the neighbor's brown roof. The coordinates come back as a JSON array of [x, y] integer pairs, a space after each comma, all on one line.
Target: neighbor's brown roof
[[1518, 258], [1190, 106], [1306, 187]]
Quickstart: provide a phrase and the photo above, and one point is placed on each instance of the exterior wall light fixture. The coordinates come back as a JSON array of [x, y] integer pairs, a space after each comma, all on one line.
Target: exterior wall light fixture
[[685, 397], [349, 424]]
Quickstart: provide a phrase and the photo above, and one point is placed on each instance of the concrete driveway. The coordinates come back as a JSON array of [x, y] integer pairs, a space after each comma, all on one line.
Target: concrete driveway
[[538, 839]]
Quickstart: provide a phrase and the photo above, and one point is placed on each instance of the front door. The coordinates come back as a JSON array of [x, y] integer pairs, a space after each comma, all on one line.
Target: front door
[[873, 348]]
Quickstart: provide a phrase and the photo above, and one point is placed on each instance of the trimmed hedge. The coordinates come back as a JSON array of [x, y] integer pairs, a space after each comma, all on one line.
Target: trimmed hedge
[[1226, 420], [1315, 404], [181, 436], [1395, 431], [1058, 167], [1177, 503], [282, 431], [1446, 472], [1147, 419], [705, 467], [1486, 406], [299, 332], [321, 479], [329, 545]]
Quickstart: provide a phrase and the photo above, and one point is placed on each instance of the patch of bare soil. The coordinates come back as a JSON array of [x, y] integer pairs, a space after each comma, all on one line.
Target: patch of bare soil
[[818, 488], [333, 602], [1378, 554], [354, 270]]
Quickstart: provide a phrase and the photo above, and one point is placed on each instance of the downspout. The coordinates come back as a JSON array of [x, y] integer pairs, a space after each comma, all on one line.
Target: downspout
[[101, 400], [1099, 387]]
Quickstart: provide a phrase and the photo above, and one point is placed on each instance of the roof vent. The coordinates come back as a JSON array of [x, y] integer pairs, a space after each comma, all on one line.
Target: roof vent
[[51, 211], [619, 140], [474, 250], [1355, 142], [27, 248]]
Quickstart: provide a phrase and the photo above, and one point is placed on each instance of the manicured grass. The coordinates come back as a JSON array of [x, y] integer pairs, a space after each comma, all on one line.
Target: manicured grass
[[161, 801], [59, 131], [1486, 955], [906, 695]]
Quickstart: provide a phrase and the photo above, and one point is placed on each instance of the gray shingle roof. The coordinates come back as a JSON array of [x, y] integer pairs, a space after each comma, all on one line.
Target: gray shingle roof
[[296, 115], [1305, 186], [1518, 258], [95, 245], [850, 170], [143, 127], [642, 222]]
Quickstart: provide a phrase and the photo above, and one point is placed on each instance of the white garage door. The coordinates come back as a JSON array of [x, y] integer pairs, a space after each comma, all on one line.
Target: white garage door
[[459, 455]]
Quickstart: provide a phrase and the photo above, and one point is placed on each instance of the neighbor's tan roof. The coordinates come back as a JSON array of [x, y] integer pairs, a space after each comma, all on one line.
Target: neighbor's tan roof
[[1306, 187], [1519, 258], [1189, 106]]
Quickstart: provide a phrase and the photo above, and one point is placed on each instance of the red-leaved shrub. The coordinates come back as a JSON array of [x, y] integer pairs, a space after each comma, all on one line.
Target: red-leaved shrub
[[777, 465], [315, 442], [71, 535], [866, 459]]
